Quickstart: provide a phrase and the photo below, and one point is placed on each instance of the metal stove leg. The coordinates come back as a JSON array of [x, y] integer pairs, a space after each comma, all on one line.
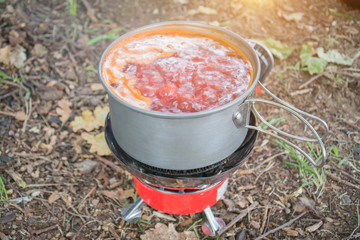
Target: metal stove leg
[[212, 224], [132, 212]]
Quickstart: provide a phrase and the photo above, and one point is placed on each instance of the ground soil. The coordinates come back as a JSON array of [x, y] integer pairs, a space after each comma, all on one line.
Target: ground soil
[[64, 199]]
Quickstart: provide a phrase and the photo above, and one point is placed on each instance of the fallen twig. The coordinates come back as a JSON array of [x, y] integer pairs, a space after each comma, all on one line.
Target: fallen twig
[[78, 215], [114, 234], [299, 92], [311, 80], [346, 174], [264, 219], [38, 232], [322, 74], [336, 178], [50, 184], [110, 164], [280, 227], [238, 218]]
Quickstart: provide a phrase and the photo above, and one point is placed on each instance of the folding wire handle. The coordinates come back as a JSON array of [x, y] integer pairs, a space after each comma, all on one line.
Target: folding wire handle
[[266, 61]]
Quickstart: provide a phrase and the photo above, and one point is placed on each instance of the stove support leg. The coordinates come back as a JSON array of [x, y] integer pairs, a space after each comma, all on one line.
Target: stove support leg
[[212, 225], [132, 212]]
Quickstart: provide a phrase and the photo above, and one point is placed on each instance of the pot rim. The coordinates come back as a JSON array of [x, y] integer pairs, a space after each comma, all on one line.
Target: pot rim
[[240, 99]]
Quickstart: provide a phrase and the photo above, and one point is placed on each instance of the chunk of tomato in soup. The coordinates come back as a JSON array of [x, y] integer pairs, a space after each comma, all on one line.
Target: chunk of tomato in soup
[[167, 93]]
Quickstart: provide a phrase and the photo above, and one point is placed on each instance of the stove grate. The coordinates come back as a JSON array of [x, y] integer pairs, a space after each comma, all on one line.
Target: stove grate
[[198, 172]]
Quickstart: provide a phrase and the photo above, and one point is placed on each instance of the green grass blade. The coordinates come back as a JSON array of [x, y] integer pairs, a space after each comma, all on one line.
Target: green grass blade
[[140, 227], [338, 14], [192, 225], [273, 122], [3, 193], [96, 39], [335, 151], [111, 35], [73, 7], [5, 76], [146, 222], [292, 164], [345, 159]]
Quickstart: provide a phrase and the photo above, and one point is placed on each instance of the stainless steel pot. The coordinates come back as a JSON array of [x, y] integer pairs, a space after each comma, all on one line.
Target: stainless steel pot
[[182, 141]]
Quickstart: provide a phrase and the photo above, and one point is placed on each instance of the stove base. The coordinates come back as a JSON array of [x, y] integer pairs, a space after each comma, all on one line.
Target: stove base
[[178, 201], [132, 213]]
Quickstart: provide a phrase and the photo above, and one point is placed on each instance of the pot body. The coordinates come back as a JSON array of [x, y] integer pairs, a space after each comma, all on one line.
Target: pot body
[[182, 141]]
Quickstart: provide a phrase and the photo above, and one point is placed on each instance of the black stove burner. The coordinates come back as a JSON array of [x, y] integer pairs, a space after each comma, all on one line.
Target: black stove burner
[[197, 172], [226, 164]]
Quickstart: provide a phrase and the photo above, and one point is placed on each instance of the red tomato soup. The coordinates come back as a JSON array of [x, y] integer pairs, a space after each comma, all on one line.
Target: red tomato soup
[[176, 71]]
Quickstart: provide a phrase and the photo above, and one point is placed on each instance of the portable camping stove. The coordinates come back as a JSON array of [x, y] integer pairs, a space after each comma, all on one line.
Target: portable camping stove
[[180, 192]]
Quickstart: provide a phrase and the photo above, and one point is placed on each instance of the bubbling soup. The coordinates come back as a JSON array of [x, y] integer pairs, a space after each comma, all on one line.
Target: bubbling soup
[[176, 71]]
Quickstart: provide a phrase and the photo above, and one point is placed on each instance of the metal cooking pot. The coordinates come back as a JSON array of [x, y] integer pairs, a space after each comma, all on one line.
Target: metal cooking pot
[[182, 141]]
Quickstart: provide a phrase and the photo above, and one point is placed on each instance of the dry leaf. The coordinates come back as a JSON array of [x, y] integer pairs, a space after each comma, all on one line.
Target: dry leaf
[[111, 194], [18, 56], [77, 145], [17, 178], [250, 199], [314, 227], [292, 16], [163, 232], [47, 147], [64, 110], [164, 216], [90, 121], [186, 222], [16, 37], [35, 174], [39, 50], [67, 200], [44, 108], [86, 166], [118, 194], [96, 87], [304, 203], [63, 135], [290, 232], [242, 202], [203, 10], [49, 131], [53, 197], [309, 203], [98, 143], [245, 172], [126, 193], [53, 140], [21, 116], [230, 205], [49, 93], [5, 55], [206, 10]]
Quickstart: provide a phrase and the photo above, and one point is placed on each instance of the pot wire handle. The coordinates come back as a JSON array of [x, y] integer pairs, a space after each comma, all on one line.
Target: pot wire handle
[[296, 112], [266, 64]]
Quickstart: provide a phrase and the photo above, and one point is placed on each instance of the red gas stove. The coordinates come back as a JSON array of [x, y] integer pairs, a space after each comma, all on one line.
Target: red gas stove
[[180, 192]]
